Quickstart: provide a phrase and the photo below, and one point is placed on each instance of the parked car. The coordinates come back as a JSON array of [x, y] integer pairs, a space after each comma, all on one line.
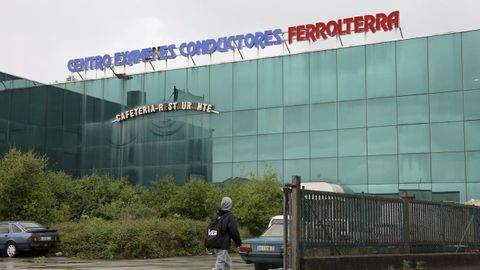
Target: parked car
[[266, 251], [19, 236]]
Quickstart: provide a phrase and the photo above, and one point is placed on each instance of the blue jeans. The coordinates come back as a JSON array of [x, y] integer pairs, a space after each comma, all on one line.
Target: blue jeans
[[224, 262]]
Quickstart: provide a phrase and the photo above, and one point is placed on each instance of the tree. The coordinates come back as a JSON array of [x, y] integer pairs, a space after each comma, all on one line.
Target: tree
[[24, 190]]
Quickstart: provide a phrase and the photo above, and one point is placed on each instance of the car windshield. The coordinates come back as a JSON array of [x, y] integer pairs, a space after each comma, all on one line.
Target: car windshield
[[276, 230], [31, 225]]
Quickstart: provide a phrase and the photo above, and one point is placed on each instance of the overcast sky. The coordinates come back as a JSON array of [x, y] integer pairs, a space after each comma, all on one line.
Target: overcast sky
[[40, 36]]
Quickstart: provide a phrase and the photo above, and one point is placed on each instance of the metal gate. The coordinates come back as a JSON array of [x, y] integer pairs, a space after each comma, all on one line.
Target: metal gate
[[325, 223]]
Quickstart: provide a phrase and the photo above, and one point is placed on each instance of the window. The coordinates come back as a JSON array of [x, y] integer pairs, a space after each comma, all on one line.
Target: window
[[296, 118], [447, 136], [413, 139], [323, 116], [270, 88], [352, 142], [446, 107], [323, 144], [414, 168], [351, 114], [471, 59], [15, 229], [448, 167], [3, 228], [323, 76], [270, 120], [444, 63], [351, 73], [412, 66], [245, 85], [382, 111], [413, 109], [295, 77], [381, 70], [382, 140]]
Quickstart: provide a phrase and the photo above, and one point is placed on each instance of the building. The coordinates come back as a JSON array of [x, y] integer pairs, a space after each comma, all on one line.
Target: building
[[381, 119]]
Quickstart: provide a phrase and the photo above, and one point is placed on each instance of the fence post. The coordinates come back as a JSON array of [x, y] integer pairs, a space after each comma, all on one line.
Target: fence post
[[406, 225], [286, 200], [296, 223]]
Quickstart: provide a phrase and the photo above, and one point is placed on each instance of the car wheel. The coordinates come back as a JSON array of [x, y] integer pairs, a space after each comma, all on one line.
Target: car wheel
[[12, 249], [259, 266]]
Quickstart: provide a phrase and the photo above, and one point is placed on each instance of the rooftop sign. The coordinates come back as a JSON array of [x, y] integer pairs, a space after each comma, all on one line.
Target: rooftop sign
[[311, 32]]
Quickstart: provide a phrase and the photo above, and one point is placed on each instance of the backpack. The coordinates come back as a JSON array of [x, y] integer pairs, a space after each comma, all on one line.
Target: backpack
[[214, 235]]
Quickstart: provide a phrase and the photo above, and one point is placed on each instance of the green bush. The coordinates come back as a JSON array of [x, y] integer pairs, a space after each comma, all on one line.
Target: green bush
[[142, 238], [24, 190]]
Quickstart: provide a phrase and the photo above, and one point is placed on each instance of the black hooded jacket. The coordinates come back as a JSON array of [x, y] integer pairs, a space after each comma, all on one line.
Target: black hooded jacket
[[229, 229]]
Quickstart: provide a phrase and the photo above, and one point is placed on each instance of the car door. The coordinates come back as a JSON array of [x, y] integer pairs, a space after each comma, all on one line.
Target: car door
[[3, 235]]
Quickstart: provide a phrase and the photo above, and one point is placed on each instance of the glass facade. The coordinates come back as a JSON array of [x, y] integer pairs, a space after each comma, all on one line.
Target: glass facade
[[380, 119]]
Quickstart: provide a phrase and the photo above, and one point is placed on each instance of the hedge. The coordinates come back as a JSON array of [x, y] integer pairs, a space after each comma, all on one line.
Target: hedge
[[127, 239]]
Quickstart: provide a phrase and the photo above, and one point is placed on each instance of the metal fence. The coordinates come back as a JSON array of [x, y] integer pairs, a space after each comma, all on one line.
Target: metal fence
[[333, 223]]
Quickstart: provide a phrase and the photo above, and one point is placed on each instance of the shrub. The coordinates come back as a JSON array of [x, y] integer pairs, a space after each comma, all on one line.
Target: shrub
[[95, 238], [24, 190]]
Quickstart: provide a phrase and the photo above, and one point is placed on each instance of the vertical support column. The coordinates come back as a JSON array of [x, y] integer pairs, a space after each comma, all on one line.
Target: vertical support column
[[286, 200], [406, 225], [296, 223]]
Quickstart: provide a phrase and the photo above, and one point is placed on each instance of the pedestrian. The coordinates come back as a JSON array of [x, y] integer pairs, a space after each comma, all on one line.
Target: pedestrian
[[230, 231]]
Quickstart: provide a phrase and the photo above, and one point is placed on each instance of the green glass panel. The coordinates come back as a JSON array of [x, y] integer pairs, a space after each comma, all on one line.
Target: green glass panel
[[244, 169], [270, 147], [473, 163], [457, 190], [351, 73], [382, 140], [176, 78], [413, 139], [473, 189], [351, 114], [324, 170], [413, 109], [269, 166], [471, 101], [300, 167], [412, 66], [352, 142], [245, 148], [114, 92], [447, 137], [471, 59], [382, 170], [323, 144], [352, 170], [270, 120], [296, 118], [448, 167], [414, 168], [244, 123], [297, 145], [245, 85], [270, 88], [155, 87], [296, 79], [198, 84], [222, 150], [37, 108], [472, 135], [446, 107], [323, 116], [221, 82], [323, 76], [381, 80], [221, 124], [445, 62], [381, 111]]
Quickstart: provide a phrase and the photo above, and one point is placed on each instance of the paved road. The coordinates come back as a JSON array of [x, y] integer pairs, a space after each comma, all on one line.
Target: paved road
[[177, 263]]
